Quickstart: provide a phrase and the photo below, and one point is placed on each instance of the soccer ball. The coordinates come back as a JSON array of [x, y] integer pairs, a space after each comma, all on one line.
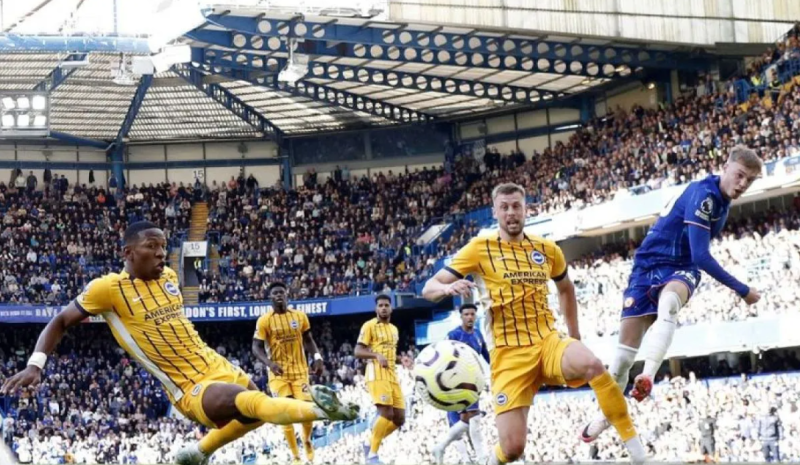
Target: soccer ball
[[449, 375]]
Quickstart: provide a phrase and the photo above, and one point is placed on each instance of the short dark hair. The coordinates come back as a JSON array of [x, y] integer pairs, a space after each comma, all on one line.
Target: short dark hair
[[385, 297], [276, 284], [133, 230], [467, 306]]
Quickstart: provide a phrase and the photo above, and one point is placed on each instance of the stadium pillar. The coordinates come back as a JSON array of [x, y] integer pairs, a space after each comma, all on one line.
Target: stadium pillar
[[286, 151], [118, 164], [675, 367], [587, 108]]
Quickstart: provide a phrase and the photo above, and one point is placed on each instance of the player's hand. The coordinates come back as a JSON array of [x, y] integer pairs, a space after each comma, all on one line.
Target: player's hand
[[317, 367], [382, 361], [752, 297], [30, 376], [275, 368], [461, 287]]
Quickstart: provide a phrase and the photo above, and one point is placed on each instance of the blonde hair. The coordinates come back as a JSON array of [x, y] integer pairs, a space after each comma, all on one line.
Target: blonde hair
[[745, 156], [507, 188]]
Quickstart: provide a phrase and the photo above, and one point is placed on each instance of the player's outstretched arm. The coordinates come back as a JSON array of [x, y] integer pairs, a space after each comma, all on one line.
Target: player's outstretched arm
[[445, 283], [569, 305], [699, 242], [48, 340], [363, 352]]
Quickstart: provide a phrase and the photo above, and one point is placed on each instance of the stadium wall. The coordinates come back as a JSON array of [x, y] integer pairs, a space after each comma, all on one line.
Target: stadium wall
[[626, 98], [12, 153], [360, 168]]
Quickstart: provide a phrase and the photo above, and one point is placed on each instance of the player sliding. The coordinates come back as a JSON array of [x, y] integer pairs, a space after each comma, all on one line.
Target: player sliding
[[511, 271], [286, 333], [144, 310], [666, 271], [470, 419]]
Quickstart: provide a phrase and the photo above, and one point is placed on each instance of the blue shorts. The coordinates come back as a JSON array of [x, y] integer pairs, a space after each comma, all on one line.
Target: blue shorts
[[644, 285], [455, 417]]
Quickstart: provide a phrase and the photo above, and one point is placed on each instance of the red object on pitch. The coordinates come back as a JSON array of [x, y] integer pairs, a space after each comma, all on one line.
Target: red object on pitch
[[642, 385]]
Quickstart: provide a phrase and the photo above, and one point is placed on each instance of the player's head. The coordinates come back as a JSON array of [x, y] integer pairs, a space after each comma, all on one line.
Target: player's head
[[469, 313], [145, 250], [742, 168], [383, 307], [508, 207], [277, 294]]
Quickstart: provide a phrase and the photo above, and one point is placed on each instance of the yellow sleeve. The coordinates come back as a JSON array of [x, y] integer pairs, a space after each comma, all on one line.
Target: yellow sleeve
[[261, 328], [558, 268], [365, 336], [96, 297], [465, 261], [305, 325]]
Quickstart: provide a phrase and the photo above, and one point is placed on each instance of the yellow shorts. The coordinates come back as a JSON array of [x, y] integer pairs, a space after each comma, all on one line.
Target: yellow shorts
[[297, 388], [191, 404], [517, 372], [385, 392]]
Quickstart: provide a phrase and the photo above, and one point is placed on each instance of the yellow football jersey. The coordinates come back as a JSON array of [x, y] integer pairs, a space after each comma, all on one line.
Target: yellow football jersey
[[282, 334], [147, 319], [512, 282], [381, 338]]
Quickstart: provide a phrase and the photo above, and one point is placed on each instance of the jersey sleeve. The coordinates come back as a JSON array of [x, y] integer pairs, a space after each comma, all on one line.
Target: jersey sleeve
[[700, 208], [96, 297], [365, 336], [558, 268], [305, 325], [261, 328], [465, 260], [453, 335]]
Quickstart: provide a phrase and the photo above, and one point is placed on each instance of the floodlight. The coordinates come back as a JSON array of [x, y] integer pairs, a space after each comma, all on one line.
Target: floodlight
[[8, 121], [39, 102], [8, 103], [23, 120], [24, 103], [40, 120]]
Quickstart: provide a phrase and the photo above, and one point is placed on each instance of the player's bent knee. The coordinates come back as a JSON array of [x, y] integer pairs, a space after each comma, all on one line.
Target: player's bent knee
[[593, 368], [513, 447], [219, 402]]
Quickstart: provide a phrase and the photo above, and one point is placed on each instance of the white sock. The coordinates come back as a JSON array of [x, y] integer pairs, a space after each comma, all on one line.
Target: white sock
[[620, 370], [461, 448], [455, 432], [476, 436], [636, 450], [659, 337]]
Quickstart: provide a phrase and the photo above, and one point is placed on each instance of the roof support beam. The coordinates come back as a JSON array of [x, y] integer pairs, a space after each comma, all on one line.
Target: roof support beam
[[58, 75], [378, 77], [328, 95], [133, 109], [230, 101], [471, 48], [70, 139]]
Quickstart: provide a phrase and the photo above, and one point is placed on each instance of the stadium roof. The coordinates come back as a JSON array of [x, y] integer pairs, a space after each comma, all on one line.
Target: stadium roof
[[362, 72]]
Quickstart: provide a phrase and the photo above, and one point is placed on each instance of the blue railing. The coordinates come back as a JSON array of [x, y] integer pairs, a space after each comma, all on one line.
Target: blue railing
[[787, 70]]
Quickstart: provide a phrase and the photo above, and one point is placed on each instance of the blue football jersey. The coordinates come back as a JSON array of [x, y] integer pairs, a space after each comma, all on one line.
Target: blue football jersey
[[473, 339], [667, 243]]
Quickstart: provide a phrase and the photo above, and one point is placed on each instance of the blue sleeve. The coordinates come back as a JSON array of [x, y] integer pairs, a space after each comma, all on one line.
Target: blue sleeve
[[699, 242], [699, 207], [453, 335]]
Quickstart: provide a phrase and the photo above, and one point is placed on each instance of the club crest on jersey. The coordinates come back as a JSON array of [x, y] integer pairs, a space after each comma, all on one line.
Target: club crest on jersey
[[537, 257], [705, 209], [171, 288], [384, 398], [629, 302], [501, 399], [293, 324]]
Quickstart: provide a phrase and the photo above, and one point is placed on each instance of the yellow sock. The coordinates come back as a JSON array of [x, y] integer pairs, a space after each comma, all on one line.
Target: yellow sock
[[288, 431], [382, 428], [308, 427], [612, 403], [498, 452], [278, 411], [216, 438]]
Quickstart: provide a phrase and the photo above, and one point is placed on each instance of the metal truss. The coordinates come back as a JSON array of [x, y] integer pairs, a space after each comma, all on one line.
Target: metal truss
[[58, 75], [475, 48], [325, 94], [230, 101], [372, 76], [133, 110]]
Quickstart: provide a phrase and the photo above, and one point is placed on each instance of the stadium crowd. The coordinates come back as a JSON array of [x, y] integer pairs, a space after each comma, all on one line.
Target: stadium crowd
[[55, 240]]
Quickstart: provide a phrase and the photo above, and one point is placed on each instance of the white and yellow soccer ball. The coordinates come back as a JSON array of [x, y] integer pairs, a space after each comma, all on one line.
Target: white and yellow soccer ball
[[449, 375]]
